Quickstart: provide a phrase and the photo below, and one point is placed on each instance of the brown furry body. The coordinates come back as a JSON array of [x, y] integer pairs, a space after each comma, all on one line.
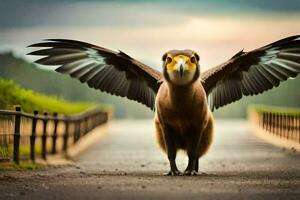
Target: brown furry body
[[183, 118]]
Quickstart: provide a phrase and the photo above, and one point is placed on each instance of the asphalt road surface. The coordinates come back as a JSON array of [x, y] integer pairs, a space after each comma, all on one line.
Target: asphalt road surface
[[127, 164]]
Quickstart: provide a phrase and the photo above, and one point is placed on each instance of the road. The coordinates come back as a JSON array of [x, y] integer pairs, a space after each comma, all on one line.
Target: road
[[127, 164]]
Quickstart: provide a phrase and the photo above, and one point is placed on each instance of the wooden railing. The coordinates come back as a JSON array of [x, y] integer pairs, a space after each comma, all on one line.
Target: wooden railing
[[23, 134], [281, 122]]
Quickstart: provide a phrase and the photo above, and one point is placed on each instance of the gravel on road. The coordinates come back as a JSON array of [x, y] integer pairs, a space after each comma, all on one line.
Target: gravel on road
[[127, 164]]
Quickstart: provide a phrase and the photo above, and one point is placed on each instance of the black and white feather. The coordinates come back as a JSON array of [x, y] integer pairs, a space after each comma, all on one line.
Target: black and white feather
[[112, 72], [251, 73]]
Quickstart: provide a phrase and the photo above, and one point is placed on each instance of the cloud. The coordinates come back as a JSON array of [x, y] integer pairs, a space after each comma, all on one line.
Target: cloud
[[16, 13], [145, 30], [215, 38], [23, 14]]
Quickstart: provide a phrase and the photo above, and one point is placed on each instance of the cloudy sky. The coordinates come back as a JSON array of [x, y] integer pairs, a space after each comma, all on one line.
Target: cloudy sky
[[216, 29]]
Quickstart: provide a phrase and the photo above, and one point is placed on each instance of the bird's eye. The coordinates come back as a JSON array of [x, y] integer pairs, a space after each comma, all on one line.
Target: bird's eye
[[193, 59], [168, 60]]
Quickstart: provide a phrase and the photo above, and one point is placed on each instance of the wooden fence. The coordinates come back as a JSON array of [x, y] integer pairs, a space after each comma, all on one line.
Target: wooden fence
[[283, 123], [23, 134]]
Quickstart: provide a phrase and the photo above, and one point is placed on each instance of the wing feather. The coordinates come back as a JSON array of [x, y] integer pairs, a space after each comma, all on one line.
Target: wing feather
[[112, 72], [252, 73]]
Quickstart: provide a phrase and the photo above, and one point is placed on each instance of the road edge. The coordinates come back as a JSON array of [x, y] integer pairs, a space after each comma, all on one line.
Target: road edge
[[275, 140], [87, 141]]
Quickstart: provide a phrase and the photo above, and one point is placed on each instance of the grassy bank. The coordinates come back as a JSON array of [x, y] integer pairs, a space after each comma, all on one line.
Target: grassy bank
[[12, 94], [26, 165], [274, 109]]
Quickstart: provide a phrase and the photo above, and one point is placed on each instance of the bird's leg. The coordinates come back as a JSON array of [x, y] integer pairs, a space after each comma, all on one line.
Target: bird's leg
[[192, 168], [171, 151], [173, 167], [197, 165]]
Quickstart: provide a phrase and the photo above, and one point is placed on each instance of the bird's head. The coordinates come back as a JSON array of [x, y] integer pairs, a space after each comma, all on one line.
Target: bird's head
[[181, 67]]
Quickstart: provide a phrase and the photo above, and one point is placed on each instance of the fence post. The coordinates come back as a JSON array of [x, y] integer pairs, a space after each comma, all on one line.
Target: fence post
[[100, 118], [79, 128], [263, 120], [44, 136], [33, 136], [281, 124], [298, 129], [66, 135], [269, 121], [272, 123], [85, 122], [16, 157], [277, 124], [298, 132], [54, 136], [77, 131], [105, 118], [93, 121], [88, 120]]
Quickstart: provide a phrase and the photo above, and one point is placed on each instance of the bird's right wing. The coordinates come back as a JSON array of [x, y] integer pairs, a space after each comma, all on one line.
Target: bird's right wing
[[112, 72], [253, 72]]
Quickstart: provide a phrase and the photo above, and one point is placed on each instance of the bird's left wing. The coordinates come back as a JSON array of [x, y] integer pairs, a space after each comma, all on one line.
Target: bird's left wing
[[112, 72], [251, 73]]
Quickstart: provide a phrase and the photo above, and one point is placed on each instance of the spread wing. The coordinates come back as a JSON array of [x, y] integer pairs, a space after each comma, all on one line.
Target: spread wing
[[112, 72], [251, 73]]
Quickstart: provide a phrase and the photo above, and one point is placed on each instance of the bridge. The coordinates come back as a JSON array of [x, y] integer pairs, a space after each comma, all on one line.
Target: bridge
[[127, 164]]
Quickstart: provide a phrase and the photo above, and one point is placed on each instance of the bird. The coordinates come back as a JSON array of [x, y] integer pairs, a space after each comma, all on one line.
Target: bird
[[181, 95]]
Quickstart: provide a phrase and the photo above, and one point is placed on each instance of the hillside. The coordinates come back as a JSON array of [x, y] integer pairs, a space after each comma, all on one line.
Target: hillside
[[29, 100]]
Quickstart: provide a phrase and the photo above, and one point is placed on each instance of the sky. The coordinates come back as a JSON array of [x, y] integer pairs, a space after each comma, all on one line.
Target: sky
[[216, 29]]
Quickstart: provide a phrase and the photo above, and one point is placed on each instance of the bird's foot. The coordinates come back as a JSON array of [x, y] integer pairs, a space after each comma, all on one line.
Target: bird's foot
[[190, 173], [173, 173]]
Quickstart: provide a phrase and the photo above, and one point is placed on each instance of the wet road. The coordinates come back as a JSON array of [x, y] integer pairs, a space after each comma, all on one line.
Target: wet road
[[127, 164]]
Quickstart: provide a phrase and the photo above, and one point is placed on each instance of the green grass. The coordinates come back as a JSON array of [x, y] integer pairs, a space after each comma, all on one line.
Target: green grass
[[25, 150], [25, 165], [11, 95], [7, 152], [275, 109]]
